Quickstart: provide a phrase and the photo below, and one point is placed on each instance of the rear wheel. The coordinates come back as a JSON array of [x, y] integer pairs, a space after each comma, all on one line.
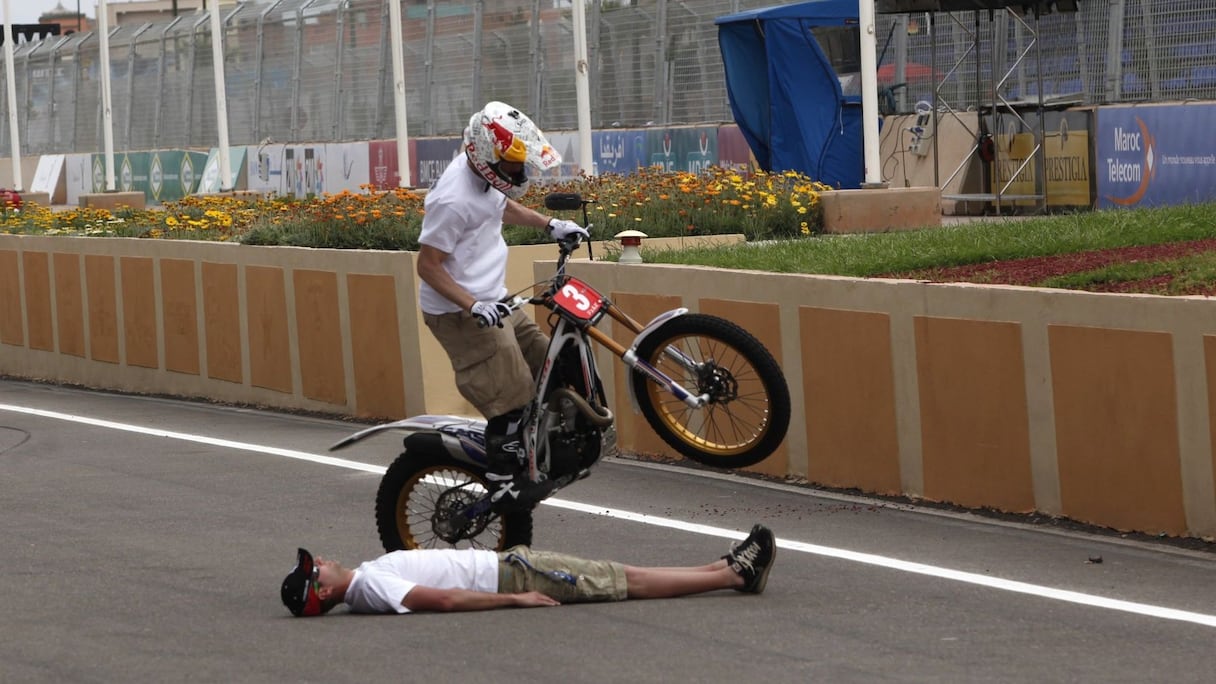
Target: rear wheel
[[419, 502], [748, 411]]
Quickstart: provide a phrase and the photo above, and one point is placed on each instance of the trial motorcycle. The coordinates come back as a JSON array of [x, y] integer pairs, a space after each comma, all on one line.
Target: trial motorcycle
[[706, 386]]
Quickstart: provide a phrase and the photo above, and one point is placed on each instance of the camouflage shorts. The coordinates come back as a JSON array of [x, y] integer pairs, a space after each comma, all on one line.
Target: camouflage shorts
[[565, 578]]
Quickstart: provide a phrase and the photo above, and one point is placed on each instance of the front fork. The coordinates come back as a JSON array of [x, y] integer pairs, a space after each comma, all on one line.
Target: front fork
[[630, 358]]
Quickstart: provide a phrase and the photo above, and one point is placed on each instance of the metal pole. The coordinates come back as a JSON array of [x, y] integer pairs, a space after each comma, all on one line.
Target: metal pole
[[869, 94], [403, 146], [221, 96], [107, 113], [582, 93], [10, 76]]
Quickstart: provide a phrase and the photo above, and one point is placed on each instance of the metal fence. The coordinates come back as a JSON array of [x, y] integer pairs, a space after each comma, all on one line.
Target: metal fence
[[319, 70]]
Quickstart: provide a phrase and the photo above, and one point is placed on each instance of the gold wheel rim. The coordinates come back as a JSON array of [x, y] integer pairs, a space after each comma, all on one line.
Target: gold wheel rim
[[417, 502], [718, 429]]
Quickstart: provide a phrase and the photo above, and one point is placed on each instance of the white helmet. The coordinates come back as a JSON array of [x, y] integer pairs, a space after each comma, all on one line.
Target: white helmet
[[499, 133]]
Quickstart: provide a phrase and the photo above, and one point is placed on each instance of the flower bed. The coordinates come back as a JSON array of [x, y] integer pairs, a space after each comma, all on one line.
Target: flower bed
[[662, 204]]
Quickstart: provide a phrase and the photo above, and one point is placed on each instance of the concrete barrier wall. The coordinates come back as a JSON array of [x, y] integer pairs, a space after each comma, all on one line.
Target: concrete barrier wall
[[334, 331], [1093, 406], [1098, 407]]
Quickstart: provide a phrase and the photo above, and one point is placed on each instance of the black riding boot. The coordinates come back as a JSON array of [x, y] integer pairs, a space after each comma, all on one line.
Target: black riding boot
[[512, 490]]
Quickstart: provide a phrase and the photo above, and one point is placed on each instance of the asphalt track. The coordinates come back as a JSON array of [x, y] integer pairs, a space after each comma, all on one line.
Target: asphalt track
[[144, 541]]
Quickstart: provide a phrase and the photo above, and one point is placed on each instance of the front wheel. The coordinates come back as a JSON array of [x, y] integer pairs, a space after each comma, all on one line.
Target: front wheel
[[419, 504], [748, 411]]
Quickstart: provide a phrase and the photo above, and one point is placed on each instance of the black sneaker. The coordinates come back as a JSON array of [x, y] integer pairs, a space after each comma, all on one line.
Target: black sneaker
[[753, 558]]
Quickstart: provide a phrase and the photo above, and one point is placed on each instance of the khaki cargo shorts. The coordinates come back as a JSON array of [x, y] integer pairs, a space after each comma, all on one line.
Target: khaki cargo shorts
[[495, 367], [565, 578]]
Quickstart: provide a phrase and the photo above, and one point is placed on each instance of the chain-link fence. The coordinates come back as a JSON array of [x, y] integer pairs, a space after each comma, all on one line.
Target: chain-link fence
[[320, 70]]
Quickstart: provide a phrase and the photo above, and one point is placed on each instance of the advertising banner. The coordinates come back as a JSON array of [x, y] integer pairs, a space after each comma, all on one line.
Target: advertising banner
[[163, 176], [1155, 155], [304, 170], [733, 150], [287, 170], [348, 167], [1013, 152], [382, 164], [1066, 155], [430, 156], [79, 176], [619, 151], [211, 170], [683, 149], [264, 168], [48, 175]]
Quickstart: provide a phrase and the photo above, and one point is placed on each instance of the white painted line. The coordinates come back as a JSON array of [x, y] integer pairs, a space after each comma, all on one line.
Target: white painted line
[[199, 439], [708, 530], [906, 566]]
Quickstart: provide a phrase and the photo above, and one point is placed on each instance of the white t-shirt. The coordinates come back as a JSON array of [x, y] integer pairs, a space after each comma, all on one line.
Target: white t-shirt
[[464, 220], [380, 585]]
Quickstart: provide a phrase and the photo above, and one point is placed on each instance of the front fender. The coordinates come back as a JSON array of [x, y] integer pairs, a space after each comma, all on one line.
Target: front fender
[[632, 353]]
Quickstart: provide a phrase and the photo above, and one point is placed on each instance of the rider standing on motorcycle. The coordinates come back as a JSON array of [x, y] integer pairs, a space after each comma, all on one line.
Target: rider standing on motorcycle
[[462, 261]]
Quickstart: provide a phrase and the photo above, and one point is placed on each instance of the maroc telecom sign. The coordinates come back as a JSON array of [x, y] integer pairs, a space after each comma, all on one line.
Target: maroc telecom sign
[[1155, 155], [25, 33]]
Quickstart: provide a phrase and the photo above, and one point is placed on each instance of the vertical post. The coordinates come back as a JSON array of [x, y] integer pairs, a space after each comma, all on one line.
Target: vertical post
[[403, 147], [537, 60], [382, 69], [339, 53], [107, 112], [901, 61], [582, 93], [593, 57], [221, 96], [11, 83], [479, 9], [428, 69], [130, 145], [1114, 53], [259, 63], [869, 94], [162, 67], [662, 91]]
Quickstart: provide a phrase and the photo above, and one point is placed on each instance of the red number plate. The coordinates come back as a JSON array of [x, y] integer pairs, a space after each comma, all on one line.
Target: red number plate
[[579, 300]]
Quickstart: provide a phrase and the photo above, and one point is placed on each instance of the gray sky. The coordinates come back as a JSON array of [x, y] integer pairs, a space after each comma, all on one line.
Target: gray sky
[[28, 11]]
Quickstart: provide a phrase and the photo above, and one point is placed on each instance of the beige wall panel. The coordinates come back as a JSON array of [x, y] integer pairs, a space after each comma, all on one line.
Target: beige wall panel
[[222, 322], [180, 316], [1130, 477], [764, 322], [38, 300], [319, 333], [139, 312], [269, 344], [849, 388], [12, 328], [69, 304], [103, 307], [1209, 355], [975, 429], [633, 433], [376, 347]]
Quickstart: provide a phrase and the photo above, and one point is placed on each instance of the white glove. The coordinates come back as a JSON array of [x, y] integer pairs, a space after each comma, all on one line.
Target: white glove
[[490, 313], [561, 229]]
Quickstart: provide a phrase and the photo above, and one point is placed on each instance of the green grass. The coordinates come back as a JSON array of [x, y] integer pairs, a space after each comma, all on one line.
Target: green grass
[[877, 254], [1182, 275]]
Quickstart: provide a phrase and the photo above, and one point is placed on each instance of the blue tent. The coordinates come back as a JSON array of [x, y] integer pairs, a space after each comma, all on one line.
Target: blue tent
[[786, 90]]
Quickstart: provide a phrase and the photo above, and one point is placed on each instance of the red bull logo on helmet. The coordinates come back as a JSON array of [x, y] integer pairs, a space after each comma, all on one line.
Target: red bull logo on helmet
[[507, 145]]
